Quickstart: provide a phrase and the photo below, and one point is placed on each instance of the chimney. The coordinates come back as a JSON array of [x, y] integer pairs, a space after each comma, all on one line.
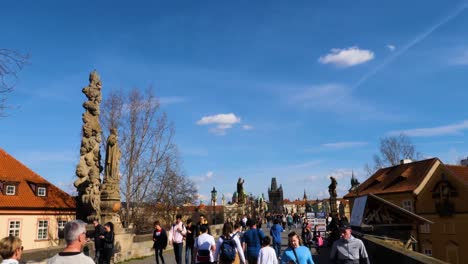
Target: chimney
[[464, 162], [405, 161]]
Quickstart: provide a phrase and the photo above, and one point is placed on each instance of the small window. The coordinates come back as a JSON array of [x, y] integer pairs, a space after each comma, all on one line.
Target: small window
[[61, 226], [42, 229], [425, 228], [41, 191], [10, 190], [14, 228], [427, 252], [408, 205]]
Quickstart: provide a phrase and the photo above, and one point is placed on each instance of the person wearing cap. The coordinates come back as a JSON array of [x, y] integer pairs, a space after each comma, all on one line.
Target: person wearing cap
[[348, 249]]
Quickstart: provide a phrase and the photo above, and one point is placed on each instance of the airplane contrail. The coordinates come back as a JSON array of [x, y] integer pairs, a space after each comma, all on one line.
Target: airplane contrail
[[411, 43]]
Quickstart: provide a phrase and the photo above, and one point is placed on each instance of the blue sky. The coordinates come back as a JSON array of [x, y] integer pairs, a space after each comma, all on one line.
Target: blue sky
[[256, 89]]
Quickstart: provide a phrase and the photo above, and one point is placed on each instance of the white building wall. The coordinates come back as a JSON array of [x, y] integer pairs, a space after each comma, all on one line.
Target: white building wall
[[28, 230]]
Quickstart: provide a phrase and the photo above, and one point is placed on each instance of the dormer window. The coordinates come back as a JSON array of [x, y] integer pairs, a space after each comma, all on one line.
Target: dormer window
[[41, 191], [10, 190]]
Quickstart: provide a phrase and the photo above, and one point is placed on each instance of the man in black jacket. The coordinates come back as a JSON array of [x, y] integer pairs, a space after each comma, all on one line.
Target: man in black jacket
[[98, 242]]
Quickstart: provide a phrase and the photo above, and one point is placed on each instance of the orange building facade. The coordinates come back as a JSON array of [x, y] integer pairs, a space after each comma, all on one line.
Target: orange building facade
[[435, 191], [31, 208]]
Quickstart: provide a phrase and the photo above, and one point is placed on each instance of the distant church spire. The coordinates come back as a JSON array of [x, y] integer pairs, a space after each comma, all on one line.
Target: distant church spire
[[305, 196]]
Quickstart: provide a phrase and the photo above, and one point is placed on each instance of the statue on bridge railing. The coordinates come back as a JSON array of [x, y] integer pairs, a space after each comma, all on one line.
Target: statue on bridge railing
[[332, 187], [240, 191]]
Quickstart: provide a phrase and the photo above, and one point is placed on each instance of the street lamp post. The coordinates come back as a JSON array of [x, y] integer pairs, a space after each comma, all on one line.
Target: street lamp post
[[214, 197]]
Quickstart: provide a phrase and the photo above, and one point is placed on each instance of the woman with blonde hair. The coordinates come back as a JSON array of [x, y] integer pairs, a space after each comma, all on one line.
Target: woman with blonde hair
[[11, 250], [296, 253]]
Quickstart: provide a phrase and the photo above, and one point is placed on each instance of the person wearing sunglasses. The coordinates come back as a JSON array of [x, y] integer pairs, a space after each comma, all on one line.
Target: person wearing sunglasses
[[11, 250]]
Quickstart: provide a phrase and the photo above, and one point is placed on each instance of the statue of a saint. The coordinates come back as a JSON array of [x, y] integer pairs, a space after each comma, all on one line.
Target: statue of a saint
[[113, 154], [240, 190], [332, 187]]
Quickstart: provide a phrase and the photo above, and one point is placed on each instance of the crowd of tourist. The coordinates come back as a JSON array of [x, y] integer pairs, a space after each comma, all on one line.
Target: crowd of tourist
[[241, 241]]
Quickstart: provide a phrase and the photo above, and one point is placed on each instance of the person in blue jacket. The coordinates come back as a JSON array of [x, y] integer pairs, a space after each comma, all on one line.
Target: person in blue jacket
[[296, 253], [252, 242], [275, 233]]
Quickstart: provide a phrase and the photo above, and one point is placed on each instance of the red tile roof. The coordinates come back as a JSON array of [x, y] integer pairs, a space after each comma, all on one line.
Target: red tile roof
[[395, 179], [459, 171], [11, 170]]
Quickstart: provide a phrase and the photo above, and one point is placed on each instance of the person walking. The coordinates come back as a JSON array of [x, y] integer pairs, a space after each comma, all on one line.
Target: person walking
[[204, 222], [159, 241], [11, 250], [289, 219], [296, 253], [189, 242], [229, 248], [205, 247], [108, 243], [176, 237], [98, 243], [267, 254], [275, 232], [252, 242], [348, 249], [75, 237]]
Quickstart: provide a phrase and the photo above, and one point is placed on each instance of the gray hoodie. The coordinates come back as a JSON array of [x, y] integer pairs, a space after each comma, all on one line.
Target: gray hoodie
[[351, 251]]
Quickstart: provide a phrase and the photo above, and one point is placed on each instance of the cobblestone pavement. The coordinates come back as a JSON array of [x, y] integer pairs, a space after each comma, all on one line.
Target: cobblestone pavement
[[321, 258]]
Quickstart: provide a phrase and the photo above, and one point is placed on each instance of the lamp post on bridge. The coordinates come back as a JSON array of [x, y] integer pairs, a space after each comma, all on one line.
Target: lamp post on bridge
[[214, 197]]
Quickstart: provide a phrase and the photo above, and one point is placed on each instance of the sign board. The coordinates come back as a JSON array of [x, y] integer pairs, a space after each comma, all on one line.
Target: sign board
[[319, 223], [358, 211], [320, 214]]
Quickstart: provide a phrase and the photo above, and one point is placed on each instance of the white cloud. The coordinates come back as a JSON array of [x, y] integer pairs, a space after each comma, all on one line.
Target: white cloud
[[247, 127], [452, 129], [347, 57], [201, 179], [345, 144], [391, 47], [222, 122], [417, 39], [204, 198], [341, 174], [461, 59], [330, 97], [307, 164]]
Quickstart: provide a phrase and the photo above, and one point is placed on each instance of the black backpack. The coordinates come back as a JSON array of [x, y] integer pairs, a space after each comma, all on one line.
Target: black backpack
[[228, 249]]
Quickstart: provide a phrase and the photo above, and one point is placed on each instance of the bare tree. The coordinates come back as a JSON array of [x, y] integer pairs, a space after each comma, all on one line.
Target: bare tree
[[393, 149], [149, 164], [11, 62]]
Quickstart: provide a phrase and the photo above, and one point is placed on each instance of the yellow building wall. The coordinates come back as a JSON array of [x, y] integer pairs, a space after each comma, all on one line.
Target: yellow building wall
[[29, 227], [447, 237]]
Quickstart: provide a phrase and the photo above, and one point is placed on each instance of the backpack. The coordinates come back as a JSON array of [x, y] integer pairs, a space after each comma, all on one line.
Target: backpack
[[228, 249]]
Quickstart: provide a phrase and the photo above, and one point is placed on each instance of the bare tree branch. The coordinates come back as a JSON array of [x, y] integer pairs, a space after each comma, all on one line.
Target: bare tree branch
[[11, 62], [392, 149], [149, 166]]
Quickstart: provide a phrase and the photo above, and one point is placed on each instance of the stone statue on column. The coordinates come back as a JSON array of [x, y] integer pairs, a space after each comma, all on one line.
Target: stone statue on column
[[333, 195], [89, 167], [110, 192]]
